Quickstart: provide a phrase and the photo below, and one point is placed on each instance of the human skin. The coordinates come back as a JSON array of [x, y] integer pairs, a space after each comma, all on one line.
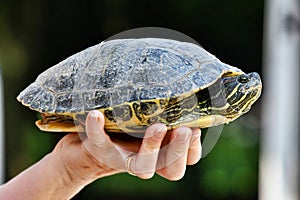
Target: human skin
[[80, 158]]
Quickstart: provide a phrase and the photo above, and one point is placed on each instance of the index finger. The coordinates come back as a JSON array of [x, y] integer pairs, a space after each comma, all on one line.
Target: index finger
[[144, 163]]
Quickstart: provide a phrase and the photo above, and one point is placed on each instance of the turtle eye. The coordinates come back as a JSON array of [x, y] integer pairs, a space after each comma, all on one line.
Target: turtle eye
[[243, 78]]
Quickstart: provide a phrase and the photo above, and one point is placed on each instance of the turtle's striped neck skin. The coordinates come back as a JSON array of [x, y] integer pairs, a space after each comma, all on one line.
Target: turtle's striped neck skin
[[232, 96]]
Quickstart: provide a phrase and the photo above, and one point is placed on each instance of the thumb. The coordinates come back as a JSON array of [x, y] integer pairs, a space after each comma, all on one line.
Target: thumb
[[95, 127], [98, 143]]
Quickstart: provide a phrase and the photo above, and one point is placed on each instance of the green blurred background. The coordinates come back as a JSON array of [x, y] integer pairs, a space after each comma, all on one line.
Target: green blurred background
[[35, 35]]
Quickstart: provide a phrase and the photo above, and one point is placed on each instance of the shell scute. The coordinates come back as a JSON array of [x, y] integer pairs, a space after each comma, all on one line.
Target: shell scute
[[96, 99], [28, 95], [69, 103]]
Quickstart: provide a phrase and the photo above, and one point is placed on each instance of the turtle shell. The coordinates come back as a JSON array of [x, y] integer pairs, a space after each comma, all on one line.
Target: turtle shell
[[123, 70]]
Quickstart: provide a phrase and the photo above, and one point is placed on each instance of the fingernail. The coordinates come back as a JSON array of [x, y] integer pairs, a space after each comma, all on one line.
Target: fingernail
[[95, 120], [196, 133], [94, 116], [184, 134], [160, 131]]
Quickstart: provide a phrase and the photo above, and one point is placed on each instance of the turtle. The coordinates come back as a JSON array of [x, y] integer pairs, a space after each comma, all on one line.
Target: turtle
[[136, 82]]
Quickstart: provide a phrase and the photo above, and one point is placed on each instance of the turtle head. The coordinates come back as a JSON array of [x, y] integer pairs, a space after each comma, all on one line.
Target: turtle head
[[241, 92]]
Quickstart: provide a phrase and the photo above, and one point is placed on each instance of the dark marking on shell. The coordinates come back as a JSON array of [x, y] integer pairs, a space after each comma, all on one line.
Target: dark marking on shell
[[189, 102], [137, 111], [148, 108], [118, 114], [154, 119], [171, 116], [81, 118], [109, 115], [139, 128]]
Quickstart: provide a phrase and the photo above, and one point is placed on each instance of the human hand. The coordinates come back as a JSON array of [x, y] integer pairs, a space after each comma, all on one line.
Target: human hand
[[160, 151]]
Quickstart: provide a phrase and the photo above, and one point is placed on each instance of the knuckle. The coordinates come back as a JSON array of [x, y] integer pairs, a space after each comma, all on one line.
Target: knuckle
[[144, 165], [152, 143], [179, 150]]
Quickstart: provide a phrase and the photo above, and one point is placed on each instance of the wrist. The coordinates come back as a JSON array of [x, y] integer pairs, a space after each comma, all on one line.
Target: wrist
[[79, 167]]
